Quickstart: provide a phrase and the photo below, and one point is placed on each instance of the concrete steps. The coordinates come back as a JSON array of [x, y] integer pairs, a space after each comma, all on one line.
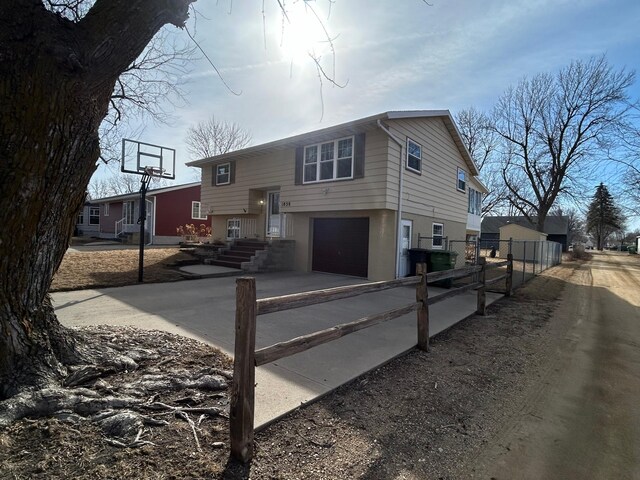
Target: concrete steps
[[240, 252]]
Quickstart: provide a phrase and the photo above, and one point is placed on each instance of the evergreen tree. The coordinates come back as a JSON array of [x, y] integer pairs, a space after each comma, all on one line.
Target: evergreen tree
[[604, 216]]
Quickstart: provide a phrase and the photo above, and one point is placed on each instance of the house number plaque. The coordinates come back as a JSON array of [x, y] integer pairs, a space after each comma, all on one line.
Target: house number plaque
[[285, 204]]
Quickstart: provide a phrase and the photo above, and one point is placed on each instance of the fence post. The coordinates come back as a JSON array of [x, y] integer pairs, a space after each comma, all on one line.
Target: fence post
[[509, 282], [244, 371], [422, 294], [524, 263], [535, 251], [481, 306]]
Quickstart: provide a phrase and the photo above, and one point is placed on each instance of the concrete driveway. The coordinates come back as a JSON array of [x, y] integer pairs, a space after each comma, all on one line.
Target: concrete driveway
[[205, 310]]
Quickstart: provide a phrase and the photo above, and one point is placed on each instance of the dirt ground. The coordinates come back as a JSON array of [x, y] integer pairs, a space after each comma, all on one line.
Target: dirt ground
[[115, 268], [458, 411]]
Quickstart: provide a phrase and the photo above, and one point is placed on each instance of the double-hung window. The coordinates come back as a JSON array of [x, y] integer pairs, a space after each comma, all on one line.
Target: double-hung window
[[437, 234], [196, 211], [414, 156], [223, 174], [80, 219], [328, 161], [94, 215], [105, 208], [462, 180]]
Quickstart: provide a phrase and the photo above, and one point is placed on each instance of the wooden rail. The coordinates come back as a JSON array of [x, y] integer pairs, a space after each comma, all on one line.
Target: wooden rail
[[247, 358]]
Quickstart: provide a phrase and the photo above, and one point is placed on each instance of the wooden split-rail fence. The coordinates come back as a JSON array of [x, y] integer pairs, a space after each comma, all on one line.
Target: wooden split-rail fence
[[247, 358]]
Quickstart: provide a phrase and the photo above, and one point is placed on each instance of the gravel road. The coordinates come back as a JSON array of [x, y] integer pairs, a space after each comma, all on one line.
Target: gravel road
[[583, 420]]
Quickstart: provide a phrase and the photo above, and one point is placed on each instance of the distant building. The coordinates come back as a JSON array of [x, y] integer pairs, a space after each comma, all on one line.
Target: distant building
[[166, 209], [556, 228], [88, 220]]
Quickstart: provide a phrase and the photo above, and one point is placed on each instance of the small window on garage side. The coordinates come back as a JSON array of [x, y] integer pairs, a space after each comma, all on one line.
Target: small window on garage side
[[94, 215], [414, 156], [437, 235], [80, 219], [223, 174], [462, 180], [105, 209]]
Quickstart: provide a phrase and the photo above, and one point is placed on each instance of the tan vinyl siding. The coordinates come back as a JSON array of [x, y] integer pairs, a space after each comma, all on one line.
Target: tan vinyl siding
[[276, 171], [264, 173], [433, 193]]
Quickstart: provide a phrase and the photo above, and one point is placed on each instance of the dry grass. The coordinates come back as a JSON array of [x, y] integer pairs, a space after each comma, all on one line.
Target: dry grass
[[115, 268]]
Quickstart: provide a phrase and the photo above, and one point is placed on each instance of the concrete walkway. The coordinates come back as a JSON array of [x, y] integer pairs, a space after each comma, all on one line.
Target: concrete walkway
[[205, 310]]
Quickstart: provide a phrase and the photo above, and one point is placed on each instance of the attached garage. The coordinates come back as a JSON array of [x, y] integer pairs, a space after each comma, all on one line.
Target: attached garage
[[341, 245]]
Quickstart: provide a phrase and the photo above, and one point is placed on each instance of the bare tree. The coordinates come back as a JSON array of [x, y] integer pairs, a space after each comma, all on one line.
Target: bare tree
[[553, 128], [212, 137], [482, 142]]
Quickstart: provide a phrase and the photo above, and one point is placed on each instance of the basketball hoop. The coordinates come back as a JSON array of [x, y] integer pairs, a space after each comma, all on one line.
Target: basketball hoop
[[152, 174]]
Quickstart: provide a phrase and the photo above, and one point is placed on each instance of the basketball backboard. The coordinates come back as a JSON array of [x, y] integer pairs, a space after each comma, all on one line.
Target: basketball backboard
[[138, 156]]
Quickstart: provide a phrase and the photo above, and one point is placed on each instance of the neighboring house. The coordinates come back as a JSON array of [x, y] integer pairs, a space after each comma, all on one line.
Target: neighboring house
[[167, 208], [88, 220], [337, 192], [556, 228]]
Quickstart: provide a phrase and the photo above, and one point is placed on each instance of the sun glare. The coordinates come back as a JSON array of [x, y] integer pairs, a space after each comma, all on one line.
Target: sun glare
[[303, 33]]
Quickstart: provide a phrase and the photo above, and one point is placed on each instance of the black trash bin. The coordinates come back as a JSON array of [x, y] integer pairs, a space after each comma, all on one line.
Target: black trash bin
[[418, 255]]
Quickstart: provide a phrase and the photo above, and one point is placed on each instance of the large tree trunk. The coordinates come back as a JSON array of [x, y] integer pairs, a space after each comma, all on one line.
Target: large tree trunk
[[56, 79]]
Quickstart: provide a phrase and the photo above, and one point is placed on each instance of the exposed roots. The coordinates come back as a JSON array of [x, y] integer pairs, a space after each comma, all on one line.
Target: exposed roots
[[128, 375]]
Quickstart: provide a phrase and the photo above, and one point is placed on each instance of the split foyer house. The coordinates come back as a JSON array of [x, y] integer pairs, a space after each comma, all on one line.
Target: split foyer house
[[353, 197], [166, 209]]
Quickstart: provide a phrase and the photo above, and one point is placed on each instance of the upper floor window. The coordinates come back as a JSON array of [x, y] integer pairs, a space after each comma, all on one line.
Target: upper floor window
[[94, 215], [328, 161], [462, 180], [105, 209], [196, 211], [223, 174], [475, 202], [414, 156]]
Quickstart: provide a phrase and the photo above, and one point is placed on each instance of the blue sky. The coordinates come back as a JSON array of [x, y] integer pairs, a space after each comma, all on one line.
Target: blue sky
[[394, 55]]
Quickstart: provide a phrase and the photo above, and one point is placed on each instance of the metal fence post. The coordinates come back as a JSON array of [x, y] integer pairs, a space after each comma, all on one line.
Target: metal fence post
[[524, 262], [481, 305], [422, 294], [242, 406], [535, 254], [509, 281]]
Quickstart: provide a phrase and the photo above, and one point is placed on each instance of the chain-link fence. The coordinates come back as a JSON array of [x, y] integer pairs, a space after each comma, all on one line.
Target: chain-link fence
[[529, 257]]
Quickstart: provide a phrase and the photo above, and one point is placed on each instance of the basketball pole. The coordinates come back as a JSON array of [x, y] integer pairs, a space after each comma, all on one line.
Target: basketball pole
[[143, 217]]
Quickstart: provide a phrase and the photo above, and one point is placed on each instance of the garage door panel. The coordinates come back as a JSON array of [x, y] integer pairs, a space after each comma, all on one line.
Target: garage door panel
[[341, 245]]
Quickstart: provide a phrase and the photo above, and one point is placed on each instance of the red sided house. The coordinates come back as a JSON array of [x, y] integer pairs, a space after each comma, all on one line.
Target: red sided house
[[167, 208]]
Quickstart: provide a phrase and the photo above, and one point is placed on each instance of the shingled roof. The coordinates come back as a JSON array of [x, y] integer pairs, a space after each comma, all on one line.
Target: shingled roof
[[554, 225]]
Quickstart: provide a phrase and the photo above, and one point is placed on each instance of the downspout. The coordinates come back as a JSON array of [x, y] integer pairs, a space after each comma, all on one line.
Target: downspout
[[400, 191]]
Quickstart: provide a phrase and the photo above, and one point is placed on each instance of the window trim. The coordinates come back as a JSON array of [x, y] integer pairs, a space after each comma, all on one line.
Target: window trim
[[335, 159], [407, 166], [228, 182], [464, 181], [95, 216], [433, 236], [199, 217], [105, 209], [80, 218]]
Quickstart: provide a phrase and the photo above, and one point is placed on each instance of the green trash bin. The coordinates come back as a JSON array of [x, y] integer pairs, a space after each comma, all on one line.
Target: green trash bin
[[442, 260], [632, 250]]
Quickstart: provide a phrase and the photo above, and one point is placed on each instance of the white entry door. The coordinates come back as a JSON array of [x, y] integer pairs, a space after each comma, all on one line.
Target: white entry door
[[407, 227], [273, 214]]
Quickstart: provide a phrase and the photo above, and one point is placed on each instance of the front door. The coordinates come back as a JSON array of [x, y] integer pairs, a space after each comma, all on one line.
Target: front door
[[407, 227], [273, 214]]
